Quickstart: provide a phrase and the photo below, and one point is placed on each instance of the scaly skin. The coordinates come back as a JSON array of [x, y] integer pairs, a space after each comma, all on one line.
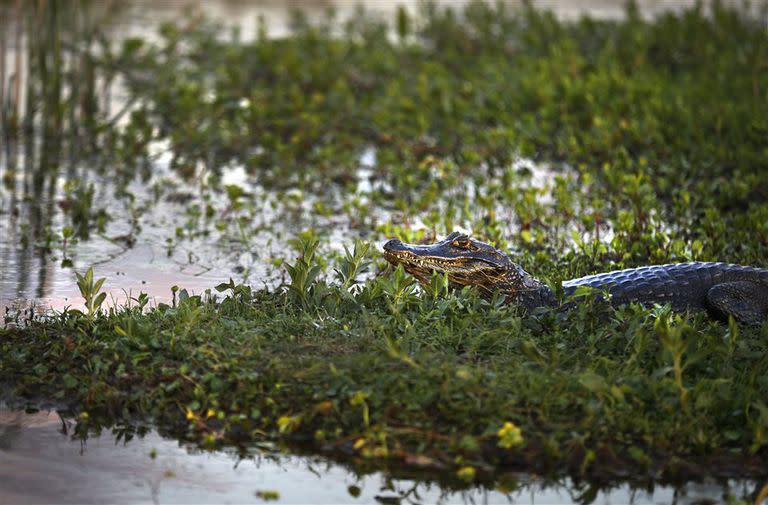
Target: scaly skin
[[722, 289]]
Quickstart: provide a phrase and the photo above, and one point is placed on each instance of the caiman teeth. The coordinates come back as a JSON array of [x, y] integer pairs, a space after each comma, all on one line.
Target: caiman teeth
[[431, 262]]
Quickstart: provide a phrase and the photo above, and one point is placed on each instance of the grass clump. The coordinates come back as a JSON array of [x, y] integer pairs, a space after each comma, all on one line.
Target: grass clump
[[383, 369]]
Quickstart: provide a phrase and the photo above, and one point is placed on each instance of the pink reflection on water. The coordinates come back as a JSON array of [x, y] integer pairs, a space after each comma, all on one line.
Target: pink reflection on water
[[138, 270]]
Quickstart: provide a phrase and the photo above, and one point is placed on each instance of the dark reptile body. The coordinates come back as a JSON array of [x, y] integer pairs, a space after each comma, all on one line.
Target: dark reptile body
[[722, 289], [682, 285]]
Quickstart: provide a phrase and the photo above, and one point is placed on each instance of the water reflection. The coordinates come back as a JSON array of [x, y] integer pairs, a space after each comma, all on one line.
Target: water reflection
[[53, 102], [42, 462], [67, 201]]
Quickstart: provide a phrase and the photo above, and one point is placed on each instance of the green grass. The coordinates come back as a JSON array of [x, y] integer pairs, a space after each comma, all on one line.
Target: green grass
[[656, 132], [386, 371]]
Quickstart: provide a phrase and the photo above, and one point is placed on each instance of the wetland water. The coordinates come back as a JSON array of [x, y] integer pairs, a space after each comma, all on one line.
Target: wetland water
[[39, 463], [29, 277]]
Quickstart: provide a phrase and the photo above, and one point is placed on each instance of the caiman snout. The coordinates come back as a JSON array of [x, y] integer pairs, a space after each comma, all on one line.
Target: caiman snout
[[394, 245]]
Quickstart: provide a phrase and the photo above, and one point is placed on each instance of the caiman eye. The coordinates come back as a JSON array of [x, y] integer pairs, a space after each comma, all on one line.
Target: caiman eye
[[462, 242]]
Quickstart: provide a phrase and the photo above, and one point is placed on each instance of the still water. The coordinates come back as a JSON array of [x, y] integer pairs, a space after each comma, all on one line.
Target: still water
[[42, 462]]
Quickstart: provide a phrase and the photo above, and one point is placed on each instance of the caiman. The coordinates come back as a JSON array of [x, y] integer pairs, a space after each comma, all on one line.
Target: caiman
[[721, 289]]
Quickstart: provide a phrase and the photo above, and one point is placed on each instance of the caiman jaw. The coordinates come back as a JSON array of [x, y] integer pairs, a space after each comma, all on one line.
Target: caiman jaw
[[463, 260], [422, 267], [469, 262]]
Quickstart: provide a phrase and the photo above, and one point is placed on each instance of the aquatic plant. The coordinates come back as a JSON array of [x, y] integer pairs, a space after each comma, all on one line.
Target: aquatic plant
[[90, 290], [387, 370]]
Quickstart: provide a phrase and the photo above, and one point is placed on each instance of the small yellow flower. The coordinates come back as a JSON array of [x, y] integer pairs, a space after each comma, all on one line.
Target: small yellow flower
[[190, 415], [510, 436], [210, 413], [288, 424], [463, 374], [466, 473], [359, 443]]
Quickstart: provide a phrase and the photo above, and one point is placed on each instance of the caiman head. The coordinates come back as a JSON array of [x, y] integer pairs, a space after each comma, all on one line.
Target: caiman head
[[469, 262]]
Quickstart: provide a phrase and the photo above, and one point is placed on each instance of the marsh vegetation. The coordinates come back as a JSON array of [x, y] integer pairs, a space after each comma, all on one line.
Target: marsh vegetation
[[278, 165]]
